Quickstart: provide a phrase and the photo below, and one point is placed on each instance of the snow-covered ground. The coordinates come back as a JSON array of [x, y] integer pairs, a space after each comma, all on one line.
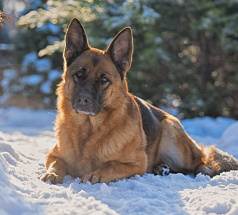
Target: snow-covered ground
[[26, 136]]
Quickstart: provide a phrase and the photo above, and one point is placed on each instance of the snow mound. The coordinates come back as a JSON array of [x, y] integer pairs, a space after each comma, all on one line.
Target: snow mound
[[229, 139], [24, 144]]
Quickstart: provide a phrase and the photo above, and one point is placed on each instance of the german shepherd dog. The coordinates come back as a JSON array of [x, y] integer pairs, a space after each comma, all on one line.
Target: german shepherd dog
[[105, 133]]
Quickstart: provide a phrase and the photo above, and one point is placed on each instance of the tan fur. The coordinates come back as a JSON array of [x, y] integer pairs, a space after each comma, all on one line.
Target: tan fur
[[114, 144], [109, 146]]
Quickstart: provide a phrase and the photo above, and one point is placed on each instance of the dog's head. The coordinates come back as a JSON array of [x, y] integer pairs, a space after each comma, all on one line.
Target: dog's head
[[93, 78]]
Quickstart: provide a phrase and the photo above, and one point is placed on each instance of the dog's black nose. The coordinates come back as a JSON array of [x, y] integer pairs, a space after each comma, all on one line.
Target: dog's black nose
[[84, 99]]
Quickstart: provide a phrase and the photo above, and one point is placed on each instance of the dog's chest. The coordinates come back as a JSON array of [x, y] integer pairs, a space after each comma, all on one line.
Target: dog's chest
[[85, 156]]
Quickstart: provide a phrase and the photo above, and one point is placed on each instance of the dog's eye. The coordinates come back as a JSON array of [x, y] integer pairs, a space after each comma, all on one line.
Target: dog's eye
[[103, 80], [80, 74]]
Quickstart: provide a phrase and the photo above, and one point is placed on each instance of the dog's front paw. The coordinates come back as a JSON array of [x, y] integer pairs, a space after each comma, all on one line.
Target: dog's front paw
[[98, 176], [52, 177]]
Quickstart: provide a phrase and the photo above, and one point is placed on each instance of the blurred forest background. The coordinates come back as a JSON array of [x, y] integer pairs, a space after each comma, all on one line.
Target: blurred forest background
[[185, 51]]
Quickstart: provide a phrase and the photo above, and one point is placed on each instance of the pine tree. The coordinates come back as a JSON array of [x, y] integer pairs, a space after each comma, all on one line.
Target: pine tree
[[185, 52]]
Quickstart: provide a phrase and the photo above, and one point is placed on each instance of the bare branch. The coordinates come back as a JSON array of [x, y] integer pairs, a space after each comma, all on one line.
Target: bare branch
[[2, 17]]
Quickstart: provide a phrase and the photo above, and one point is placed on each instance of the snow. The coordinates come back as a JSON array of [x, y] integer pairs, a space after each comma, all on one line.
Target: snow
[[229, 138], [46, 87], [54, 74], [8, 74], [37, 75], [26, 136], [55, 29], [29, 60], [32, 79], [43, 65]]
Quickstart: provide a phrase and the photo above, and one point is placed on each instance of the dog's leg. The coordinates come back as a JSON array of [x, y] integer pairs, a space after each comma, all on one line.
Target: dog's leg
[[113, 171], [179, 151], [204, 169], [162, 169], [56, 170]]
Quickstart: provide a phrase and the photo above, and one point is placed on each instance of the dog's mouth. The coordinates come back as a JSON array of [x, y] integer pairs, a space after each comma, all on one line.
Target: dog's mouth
[[86, 112]]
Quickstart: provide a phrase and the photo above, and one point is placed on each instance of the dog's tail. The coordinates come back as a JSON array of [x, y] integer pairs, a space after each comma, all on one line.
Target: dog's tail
[[219, 161]]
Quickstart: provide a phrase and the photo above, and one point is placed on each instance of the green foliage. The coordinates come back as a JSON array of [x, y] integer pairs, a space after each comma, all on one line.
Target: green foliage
[[185, 54]]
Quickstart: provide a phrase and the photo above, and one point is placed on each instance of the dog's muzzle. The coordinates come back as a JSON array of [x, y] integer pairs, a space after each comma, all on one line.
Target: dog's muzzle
[[84, 104]]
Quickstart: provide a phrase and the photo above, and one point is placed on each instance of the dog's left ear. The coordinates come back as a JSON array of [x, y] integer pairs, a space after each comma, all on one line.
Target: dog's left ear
[[121, 49]]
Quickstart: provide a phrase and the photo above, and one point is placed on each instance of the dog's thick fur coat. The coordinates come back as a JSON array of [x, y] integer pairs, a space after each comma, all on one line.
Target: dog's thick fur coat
[[105, 133]]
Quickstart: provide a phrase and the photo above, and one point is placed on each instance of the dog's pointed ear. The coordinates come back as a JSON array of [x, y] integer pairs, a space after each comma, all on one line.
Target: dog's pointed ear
[[75, 41], [121, 49]]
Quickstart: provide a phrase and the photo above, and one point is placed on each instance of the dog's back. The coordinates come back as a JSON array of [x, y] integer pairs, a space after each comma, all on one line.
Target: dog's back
[[168, 143]]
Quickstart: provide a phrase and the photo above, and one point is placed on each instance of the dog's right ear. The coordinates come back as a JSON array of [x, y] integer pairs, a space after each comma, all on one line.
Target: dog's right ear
[[76, 41]]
